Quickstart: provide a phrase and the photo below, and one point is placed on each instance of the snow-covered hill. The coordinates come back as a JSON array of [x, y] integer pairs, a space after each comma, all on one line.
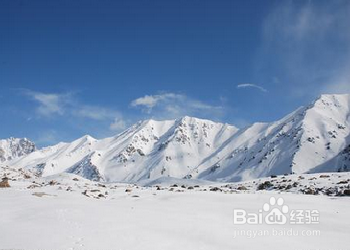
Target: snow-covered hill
[[312, 139], [13, 148]]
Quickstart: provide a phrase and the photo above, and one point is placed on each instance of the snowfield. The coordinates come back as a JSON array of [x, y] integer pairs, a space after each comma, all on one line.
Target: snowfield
[[68, 212]]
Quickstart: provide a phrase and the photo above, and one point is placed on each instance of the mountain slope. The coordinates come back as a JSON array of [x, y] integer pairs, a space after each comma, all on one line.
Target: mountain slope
[[311, 139], [13, 148], [305, 141]]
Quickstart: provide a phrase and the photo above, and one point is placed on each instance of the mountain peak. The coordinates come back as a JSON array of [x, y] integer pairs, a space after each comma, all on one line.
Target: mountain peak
[[12, 148], [333, 96], [332, 101]]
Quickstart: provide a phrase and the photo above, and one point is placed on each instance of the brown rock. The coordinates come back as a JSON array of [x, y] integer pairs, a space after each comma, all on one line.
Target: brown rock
[[33, 186], [26, 176], [4, 183], [51, 183], [310, 191]]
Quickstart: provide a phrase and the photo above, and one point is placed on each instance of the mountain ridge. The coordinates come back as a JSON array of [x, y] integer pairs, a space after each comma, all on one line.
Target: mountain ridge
[[312, 138]]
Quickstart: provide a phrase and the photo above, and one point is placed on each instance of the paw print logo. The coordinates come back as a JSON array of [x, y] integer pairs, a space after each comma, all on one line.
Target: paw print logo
[[276, 211]]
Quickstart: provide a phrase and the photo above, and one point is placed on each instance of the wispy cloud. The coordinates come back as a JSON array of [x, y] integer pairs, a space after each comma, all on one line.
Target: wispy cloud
[[48, 103], [251, 85], [309, 44], [172, 105], [94, 112], [118, 124], [51, 105], [86, 117], [47, 137]]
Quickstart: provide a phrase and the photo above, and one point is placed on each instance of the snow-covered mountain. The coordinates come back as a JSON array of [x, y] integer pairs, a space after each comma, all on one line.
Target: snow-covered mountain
[[13, 148], [149, 149], [311, 139]]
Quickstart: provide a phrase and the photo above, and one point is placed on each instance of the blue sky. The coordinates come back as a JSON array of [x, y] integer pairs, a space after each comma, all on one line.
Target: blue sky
[[69, 68]]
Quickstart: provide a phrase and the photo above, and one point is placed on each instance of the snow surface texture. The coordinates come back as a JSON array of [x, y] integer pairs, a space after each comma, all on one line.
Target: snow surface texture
[[312, 139], [68, 212]]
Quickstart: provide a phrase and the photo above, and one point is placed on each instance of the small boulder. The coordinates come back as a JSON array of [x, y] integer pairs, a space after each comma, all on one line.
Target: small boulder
[[264, 185], [346, 192], [52, 182], [4, 183], [330, 191], [33, 186], [26, 176], [343, 182], [215, 189], [310, 191]]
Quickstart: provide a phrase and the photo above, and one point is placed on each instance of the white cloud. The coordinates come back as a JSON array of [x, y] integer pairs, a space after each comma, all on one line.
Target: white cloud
[[150, 101], [64, 105], [48, 104], [118, 124], [251, 85], [147, 101], [171, 105]]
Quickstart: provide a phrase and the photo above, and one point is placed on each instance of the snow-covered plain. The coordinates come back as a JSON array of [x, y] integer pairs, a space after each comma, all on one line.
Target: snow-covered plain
[[69, 212]]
